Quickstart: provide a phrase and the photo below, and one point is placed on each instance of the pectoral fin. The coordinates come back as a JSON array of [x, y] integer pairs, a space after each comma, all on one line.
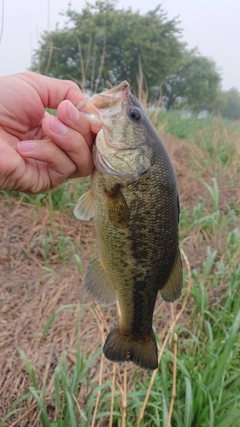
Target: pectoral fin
[[172, 288], [97, 284], [84, 209], [117, 208]]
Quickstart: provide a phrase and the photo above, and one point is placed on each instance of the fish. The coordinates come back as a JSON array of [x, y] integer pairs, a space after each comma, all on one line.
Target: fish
[[133, 201]]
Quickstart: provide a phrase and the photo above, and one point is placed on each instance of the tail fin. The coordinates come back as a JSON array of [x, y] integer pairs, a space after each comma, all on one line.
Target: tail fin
[[141, 351]]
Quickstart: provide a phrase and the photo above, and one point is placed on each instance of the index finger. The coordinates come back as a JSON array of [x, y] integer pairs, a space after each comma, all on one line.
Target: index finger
[[80, 123], [52, 91]]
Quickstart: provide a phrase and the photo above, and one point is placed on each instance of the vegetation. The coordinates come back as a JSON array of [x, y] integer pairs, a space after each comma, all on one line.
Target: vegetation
[[196, 81], [228, 104], [197, 383], [103, 45]]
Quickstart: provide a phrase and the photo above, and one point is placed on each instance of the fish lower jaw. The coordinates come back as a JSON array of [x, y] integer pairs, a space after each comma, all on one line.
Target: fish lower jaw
[[103, 166]]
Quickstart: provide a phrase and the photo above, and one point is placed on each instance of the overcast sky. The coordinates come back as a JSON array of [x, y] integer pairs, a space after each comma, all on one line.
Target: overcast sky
[[211, 25]]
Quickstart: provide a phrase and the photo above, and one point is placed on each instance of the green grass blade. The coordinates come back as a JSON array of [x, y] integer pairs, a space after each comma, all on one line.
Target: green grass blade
[[71, 405], [214, 194], [223, 361], [165, 410], [57, 388], [9, 414], [188, 403], [211, 412], [41, 407], [28, 367], [53, 317]]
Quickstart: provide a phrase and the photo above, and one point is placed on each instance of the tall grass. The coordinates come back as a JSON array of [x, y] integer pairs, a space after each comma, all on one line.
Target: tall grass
[[214, 143], [61, 198], [197, 383], [207, 370], [188, 127]]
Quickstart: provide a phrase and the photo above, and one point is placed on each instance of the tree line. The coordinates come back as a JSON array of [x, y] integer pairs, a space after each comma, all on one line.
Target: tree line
[[103, 45]]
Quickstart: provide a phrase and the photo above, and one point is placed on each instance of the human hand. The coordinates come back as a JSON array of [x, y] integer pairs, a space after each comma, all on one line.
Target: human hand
[[39, 151]]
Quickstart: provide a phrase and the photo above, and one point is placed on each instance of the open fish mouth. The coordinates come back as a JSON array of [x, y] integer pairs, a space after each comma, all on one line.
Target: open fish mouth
[[111, 96], [104, 105], [114, 154]]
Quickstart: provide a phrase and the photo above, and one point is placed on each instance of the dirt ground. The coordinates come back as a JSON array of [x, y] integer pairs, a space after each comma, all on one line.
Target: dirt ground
[[31, 291]]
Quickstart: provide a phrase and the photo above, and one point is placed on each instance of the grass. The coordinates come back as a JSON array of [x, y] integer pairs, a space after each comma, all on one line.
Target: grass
[[189, 127], [214, 143], [197, 383], [61, 198]]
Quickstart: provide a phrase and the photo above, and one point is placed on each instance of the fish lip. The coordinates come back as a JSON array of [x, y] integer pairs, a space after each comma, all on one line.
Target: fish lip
[[104, 100], [119, 91], [104, 104]]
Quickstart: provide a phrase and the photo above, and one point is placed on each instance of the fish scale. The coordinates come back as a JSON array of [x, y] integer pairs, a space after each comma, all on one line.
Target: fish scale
[[134, 205]]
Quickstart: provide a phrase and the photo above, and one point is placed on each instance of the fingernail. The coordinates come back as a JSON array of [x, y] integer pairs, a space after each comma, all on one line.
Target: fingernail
[[58, 127], [24, 146], [72, 112]]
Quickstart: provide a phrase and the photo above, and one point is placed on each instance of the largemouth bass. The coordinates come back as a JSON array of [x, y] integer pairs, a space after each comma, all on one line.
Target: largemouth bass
[[134, 205]]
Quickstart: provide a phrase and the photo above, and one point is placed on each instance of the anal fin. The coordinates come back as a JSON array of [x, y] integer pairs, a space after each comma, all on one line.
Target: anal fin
[[97, 284], [173, 286]]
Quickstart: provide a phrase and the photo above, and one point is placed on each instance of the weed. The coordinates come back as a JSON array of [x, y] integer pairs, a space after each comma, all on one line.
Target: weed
[[197, 382]]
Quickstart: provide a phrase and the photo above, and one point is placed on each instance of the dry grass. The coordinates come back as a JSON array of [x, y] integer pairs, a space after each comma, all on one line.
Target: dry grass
[[218, 159], [32, 289], [27, 308]]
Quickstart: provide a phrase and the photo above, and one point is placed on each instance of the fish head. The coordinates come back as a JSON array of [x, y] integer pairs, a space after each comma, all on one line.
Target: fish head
[[123, 146]]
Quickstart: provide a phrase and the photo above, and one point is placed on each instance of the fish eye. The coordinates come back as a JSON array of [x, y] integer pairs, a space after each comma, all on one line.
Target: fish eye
[[135, 114]]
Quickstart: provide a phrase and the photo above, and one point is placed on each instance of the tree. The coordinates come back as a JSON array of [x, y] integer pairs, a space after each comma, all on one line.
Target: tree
[[229, 104], [102, 43], [196, 82]]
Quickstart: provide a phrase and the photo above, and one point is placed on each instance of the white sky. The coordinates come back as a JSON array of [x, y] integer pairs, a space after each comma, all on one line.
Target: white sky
[[211, 25]]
